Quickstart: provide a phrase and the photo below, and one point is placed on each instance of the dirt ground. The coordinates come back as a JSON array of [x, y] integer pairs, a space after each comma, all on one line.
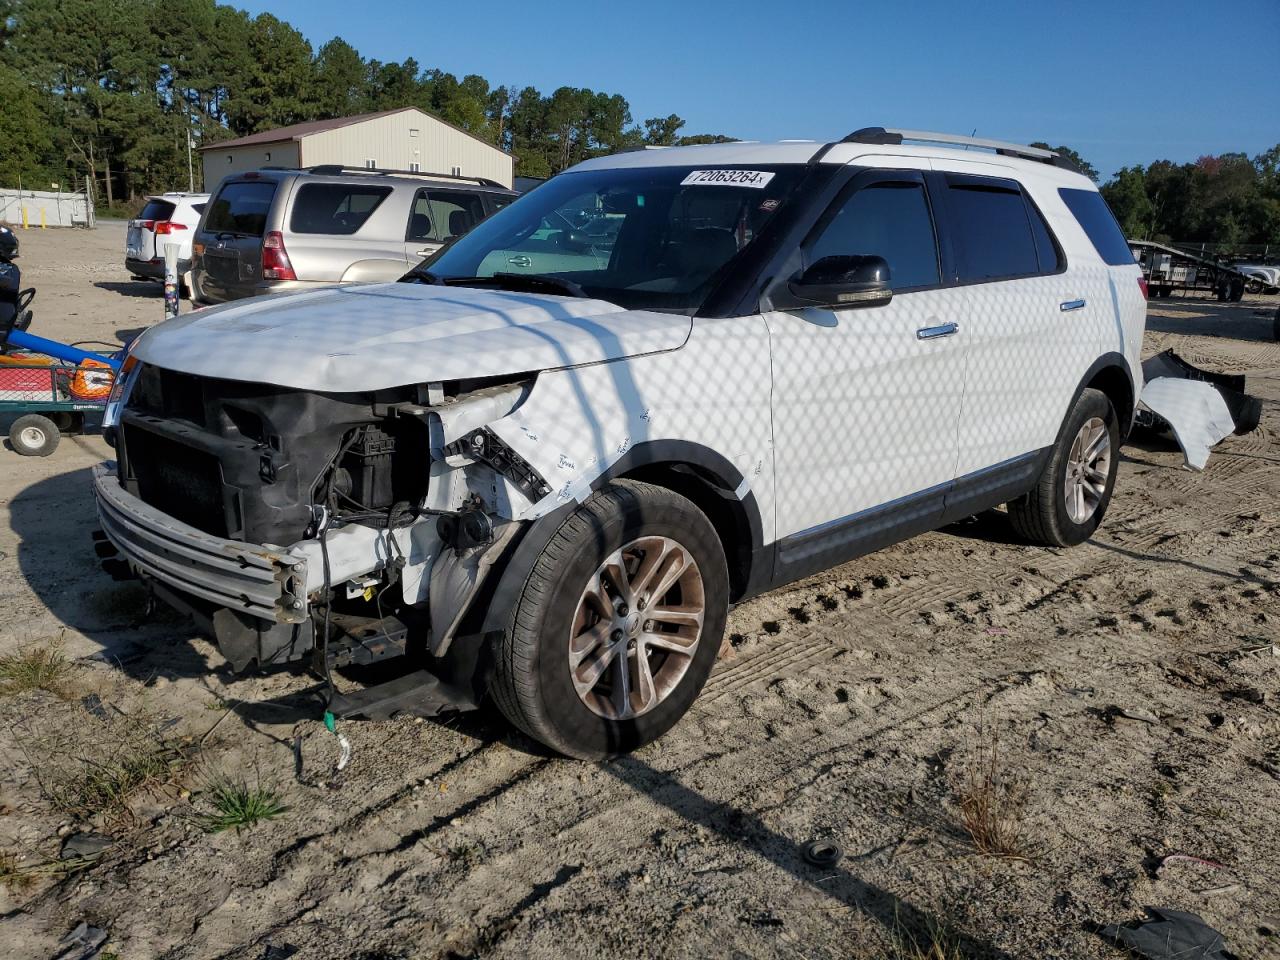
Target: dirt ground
[[1110, 704]]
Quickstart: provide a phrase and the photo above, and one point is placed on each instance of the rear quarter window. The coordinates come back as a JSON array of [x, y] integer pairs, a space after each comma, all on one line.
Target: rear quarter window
[[1099, 224], [241, 207], [335, 208]]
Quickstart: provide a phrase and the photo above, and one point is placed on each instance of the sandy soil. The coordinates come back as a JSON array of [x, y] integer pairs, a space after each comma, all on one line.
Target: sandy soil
[[1130, 689]]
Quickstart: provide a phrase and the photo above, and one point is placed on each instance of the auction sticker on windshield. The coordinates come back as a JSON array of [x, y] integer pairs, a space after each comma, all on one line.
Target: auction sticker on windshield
[[757, 179]]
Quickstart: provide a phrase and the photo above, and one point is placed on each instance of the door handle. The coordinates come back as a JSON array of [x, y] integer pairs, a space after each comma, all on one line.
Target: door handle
[[941, 330], [1071, 305], [520, 261], [426, 251]]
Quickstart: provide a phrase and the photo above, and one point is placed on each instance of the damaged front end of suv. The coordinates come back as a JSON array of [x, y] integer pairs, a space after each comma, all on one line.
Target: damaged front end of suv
[[294, 524]]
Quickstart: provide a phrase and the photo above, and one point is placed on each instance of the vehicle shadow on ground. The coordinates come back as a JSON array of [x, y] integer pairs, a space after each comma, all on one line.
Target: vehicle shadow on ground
[[53, 520], [900, 919], [903, 922], [132, 288]]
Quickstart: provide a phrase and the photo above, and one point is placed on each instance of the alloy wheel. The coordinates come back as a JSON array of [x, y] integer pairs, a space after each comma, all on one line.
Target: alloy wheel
[[1088, 467], [638, 624]]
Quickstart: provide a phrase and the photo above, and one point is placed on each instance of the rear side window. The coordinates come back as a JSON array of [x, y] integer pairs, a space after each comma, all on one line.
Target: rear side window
[[335, 208], [156, 210], [889, 220], [441, 215], [991, 231], [1099, 223], [241, 208]]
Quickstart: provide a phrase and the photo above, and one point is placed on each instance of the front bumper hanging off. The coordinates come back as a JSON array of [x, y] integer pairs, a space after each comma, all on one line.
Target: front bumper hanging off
[[252, 579]]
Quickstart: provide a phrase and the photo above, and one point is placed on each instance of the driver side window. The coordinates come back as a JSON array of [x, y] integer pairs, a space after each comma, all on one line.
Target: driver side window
[[890, 219]]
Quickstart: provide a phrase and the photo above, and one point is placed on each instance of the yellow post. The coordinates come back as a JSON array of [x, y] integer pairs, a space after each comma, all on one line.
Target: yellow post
[[24, 218], [42, 223]]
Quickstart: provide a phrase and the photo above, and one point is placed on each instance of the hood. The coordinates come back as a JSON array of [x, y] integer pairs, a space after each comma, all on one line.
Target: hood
[[372, 336]]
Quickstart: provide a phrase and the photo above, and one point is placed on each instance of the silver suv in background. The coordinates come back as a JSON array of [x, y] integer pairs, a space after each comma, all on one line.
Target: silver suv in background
[[271, 231]]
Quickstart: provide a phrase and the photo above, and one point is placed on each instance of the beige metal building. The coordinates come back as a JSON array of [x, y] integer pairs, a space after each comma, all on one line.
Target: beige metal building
[[404, 139]]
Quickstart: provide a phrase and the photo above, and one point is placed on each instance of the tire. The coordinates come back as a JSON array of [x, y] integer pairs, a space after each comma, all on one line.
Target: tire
[[1236, 293], [1254, 286], [533, 682], [1044, 515], [34, 436]]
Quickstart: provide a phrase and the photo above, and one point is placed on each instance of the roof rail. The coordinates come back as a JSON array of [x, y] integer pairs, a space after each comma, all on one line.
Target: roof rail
[[881, 135], [334, 169]]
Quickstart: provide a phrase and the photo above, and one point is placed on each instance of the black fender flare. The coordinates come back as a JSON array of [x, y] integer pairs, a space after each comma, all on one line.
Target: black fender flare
[[1108, 361], [515, 570]]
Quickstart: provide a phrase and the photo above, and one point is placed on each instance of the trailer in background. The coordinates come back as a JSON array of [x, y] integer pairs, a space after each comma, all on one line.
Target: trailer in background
[[1169, 269]]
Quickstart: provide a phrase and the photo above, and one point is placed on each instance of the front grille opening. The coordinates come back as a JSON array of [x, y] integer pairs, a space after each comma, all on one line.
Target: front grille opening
[[170, 394], [181, 481]]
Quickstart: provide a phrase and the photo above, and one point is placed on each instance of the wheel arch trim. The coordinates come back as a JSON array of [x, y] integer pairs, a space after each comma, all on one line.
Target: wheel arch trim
[[1106, 368], [707, 467]]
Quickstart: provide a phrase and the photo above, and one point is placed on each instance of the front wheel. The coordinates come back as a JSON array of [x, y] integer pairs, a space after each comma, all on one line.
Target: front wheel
[[1069, 499], [618, 625]]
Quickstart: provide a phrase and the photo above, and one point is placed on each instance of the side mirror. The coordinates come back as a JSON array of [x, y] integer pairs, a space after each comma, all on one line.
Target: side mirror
[[837, 283]]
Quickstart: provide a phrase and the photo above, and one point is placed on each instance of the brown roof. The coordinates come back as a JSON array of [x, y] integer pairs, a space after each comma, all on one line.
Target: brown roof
[[297, 131]]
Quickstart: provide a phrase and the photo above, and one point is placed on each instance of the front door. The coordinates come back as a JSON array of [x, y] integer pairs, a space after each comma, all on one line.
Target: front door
[[866, 400]]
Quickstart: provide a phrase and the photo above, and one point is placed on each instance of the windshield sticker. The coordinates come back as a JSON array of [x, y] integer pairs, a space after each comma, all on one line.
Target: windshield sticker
[[756, 179]]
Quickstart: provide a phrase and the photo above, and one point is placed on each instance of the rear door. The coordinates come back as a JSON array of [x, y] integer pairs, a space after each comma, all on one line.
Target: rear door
[[332, 229], [140, 242], [437, 216], [1028, 329], [234, 224]]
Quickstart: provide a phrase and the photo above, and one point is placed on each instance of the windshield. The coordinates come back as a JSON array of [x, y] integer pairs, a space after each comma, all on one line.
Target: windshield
[[656, 238]]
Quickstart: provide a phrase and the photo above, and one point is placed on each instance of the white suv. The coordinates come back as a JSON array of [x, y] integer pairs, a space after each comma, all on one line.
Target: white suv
[[544, 466], [166, 218]]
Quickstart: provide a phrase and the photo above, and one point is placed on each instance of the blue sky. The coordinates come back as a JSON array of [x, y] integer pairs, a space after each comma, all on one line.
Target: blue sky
[[1122, 81]]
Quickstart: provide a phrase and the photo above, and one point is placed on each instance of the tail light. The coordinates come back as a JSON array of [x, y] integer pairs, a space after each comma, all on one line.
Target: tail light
[[147, 224], [275, 259], [1142, 285], [166, 227]]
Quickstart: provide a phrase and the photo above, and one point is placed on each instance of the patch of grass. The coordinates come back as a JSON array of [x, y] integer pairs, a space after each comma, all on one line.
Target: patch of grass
[[935, 942], [18, 876], [238, 805], [36, 668], [12, 875], [106, 786], [991, 806]]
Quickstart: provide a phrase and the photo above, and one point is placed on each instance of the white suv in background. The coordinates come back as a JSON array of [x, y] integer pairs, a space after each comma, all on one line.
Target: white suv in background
[[166, 218], [544, 466]]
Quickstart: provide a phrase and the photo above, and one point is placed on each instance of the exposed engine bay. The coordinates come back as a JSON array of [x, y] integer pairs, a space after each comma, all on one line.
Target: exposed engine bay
[[385, 508]]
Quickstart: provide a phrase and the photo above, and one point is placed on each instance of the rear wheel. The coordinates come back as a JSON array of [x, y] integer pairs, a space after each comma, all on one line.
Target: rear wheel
[[34, 435], [618, 625], [1070, 498]]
